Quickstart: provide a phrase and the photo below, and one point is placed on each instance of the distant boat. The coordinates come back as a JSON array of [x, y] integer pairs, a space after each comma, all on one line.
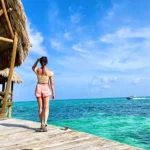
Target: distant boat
[[136, 98], [130, 97]]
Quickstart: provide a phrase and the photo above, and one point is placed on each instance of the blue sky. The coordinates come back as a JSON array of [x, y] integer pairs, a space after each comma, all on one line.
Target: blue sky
[[96, 48]]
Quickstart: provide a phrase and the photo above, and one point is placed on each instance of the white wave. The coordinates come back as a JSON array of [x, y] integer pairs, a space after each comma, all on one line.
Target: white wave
[[140, 98]]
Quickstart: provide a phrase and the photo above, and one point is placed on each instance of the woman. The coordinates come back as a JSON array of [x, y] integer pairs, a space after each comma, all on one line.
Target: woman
[[42, 92]]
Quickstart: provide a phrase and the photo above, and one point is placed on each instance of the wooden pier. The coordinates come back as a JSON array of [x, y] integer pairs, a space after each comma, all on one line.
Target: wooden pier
[[18, 134]]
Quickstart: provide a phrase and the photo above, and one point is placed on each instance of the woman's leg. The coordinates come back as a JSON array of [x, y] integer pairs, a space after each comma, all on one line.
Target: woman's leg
[[46, 108], [41, 113]]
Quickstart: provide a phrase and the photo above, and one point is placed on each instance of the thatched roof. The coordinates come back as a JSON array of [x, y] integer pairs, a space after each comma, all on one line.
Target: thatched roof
[[18, 21], [4, 75]]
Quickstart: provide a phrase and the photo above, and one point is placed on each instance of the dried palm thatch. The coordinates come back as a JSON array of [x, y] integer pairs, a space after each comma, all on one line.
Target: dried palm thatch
[[5, 73], [18, 22]]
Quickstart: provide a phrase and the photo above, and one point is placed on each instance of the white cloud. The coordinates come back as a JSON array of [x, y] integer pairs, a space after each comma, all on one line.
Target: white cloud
[[110, 15], [114, 79], [111, 12], [125, 33], [104, 80], [67, 36], [121, 55], [55, 44], [76, 17], [106, 86], [77, 47], [95, 90], [36, 40], [120, 50], [136, 81]]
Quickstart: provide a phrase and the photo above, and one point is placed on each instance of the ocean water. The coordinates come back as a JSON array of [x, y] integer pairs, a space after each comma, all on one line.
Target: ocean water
[[126, 121]]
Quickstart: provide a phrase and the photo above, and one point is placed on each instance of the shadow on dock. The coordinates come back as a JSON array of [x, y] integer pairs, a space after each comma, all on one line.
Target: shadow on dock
[[18, 126]]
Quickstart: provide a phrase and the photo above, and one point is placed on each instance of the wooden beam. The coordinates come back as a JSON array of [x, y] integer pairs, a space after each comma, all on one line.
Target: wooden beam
[[9, 10], [7, 19], [1, 12], [6, 39], [10, 73]]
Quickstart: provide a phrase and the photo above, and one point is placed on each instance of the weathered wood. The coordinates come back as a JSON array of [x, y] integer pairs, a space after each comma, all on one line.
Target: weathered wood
[[1, 12], [6, 40], [10, 73], [7, 19], [9, 10], [20, 134], [2, 115], [3, 93]]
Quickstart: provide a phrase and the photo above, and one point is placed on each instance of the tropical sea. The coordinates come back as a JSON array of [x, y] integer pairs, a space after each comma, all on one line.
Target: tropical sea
[[126, 121]]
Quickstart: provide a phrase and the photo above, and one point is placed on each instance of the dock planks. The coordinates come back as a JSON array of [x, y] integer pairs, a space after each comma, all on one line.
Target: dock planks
[[18, 134]]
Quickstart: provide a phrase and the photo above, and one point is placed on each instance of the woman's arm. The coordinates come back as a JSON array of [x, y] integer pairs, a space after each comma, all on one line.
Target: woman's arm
[[52, 87], [35, 64]]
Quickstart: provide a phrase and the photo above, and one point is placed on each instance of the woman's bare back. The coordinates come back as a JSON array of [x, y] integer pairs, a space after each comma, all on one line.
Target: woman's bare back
[[45, 72]]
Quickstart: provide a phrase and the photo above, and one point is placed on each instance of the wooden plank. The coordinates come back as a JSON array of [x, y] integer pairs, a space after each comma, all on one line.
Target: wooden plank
[[75, 144], [3, 93], [9, 10], [10, 73], [6, 40], [25, 141], [7, 19], [20, 134]]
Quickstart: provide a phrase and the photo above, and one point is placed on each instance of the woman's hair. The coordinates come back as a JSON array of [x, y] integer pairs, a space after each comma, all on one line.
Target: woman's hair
[[43, 62]]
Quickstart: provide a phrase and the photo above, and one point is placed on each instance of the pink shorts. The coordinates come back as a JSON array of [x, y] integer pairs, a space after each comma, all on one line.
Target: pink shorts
[[42, 90]]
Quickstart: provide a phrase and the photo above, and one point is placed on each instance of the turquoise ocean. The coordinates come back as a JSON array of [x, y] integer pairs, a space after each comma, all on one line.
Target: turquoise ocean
[[126, 121]]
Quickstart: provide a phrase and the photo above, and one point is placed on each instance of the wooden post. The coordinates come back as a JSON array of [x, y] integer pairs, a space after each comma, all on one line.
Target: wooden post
[[6, 39], [9, 10], [7, 19], [1, 12], [10, 75]]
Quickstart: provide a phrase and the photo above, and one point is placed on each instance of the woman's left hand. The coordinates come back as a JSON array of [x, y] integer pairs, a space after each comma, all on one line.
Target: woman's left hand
[[39, 58], [53, 96]]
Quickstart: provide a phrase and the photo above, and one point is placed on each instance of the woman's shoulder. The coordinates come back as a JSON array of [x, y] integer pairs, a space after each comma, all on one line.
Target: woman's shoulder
[[50, 72], [38, 69]]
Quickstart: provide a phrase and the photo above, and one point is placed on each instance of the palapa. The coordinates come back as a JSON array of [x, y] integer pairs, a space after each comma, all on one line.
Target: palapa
[[14, 42], [5, 73], [17, 19]]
